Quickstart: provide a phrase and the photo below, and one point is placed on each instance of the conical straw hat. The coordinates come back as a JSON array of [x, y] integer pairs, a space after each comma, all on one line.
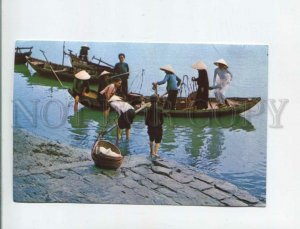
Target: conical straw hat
[[104, 73], [82, 75], [221, 61], [115, 98], [85, 46], [199, 65], [168, 68]]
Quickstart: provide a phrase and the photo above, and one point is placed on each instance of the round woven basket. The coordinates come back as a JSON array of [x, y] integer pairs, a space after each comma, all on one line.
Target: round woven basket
[[105, 161]]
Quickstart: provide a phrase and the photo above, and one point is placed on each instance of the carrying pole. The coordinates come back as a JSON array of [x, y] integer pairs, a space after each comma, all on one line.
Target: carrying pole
[[102, 133]]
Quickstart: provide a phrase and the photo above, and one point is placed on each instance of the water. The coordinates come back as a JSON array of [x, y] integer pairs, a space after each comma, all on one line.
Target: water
[[226, 148]]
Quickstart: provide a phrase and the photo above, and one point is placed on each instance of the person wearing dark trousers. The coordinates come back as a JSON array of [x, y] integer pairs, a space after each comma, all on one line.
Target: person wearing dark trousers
[[154, 120], [201, 101], [80, 86], [122, 70], [173, 83]]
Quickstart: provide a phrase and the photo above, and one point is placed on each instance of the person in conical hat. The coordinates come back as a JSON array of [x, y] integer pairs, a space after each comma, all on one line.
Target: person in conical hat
[[83, 54], [80, 86], [201, 100], [221, 81], [103, 80], [173, 82], [221, 62]]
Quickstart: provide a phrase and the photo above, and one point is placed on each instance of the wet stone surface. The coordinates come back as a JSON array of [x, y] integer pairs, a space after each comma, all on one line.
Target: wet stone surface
[[47, 171]]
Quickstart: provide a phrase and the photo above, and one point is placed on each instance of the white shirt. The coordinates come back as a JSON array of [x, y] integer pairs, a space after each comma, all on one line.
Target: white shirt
[[121, 106]]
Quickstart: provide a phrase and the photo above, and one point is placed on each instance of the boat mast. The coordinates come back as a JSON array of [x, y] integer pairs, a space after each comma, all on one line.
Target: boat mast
[[63, 59]]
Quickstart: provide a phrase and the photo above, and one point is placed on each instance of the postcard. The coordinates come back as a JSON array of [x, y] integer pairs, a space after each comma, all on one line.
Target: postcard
[[140, 123]]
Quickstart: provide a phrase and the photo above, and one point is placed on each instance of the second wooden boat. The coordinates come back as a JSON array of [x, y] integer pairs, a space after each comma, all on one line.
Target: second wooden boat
[[20, 54]]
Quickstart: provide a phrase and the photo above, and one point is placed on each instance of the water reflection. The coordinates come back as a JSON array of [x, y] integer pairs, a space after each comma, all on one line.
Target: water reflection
[[89, 123], [22, 70], [201, 141], [196, 141]]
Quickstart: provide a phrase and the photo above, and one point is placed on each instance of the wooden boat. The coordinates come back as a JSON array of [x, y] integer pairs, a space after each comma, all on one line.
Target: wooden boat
[[20, 57], [185, 108], [184, 105], [90, 67], [90, 99], [64, 73]]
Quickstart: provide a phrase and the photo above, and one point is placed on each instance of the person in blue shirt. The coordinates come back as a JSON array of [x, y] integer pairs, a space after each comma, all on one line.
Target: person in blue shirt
[[173, 83], [122, 70]]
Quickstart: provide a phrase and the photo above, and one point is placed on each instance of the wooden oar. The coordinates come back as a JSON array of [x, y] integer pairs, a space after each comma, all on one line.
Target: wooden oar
[[52, 68]]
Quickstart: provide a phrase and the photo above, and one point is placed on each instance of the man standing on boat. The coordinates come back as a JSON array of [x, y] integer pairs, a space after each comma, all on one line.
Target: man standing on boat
[[221, 81], [122, 70], [173, 83], [83, 55]]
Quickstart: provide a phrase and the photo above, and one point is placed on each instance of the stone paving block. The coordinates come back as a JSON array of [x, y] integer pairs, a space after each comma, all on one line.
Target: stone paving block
[[136, 161], [86, 170], [246, 196], [148, 183], [165, 181], [127, 182], [200, 185], [201, 199], [182, 178], [166, 192], [183, 200], [132, 175], [153, 196], [142, 170], [205, 178], [216, 194], [186, 171], [234, 202], [98, 180], [226, 186], [161, 170], [164, 163]]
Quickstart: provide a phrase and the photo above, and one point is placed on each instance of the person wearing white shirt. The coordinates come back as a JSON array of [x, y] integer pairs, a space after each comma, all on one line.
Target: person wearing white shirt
[[126, 114], [221, 81]]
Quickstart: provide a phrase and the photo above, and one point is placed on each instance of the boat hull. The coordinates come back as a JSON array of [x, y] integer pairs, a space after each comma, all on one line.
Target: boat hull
[[184, 109], [90, 99], [64, 73]]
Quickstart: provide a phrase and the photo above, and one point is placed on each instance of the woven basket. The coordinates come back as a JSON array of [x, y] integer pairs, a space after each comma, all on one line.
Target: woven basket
[[105, 161]]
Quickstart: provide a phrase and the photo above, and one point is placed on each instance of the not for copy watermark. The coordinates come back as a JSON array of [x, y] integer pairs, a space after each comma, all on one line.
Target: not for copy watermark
[[54, 113]]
